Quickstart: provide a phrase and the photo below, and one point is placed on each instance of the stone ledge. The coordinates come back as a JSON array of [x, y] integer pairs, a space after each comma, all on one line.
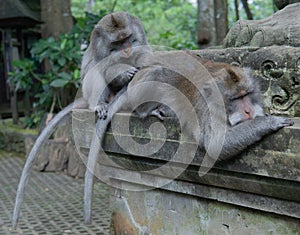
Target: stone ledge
[[264, 177]]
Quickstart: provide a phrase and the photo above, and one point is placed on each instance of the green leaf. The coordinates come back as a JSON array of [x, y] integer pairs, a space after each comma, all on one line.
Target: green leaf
[[63, 44], [65, 76], [59, 83], [61, 61], [76, 74]]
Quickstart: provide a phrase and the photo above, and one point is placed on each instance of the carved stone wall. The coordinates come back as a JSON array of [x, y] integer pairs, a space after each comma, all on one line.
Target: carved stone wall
[[276, 67]]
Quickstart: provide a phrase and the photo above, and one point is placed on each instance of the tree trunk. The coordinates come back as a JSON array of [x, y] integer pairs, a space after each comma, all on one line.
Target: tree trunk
[[247, 10], [212, 22], [57, 17], [221, 21], [236, 5], [8, 68]]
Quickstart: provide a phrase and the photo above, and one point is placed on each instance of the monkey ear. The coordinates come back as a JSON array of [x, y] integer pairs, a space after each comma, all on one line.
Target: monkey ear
[[98, 31], [233, 75], [114, 22]]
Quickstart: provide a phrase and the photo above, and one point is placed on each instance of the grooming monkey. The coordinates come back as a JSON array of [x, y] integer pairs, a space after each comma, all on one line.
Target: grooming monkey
[[243, 121], [119, 42], [113, 40]]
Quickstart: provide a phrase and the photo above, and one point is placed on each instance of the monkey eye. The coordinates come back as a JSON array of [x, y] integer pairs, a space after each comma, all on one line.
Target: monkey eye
[[133, 40], [113, 49], [239, 95]]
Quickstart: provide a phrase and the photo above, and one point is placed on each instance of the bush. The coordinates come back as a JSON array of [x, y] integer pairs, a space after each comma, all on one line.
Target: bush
[[56, 87]]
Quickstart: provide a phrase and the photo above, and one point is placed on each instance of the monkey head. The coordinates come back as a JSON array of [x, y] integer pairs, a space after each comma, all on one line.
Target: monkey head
[[242, 96], [118, 31]]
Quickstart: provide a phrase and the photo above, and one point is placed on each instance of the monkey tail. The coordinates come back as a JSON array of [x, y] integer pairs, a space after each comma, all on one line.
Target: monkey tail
[[89, 173], [42, 138], [117, 103]]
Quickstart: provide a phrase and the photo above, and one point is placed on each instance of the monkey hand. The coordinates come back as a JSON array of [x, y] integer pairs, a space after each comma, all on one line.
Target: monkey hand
[[162, 112], [129, 74], [101, 110], [277, 122], [158, 113]]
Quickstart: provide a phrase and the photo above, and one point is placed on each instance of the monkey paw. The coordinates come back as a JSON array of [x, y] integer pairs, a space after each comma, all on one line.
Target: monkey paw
[[101, 110], [158, 113], [162, 112], [279, 122], [129, 74]]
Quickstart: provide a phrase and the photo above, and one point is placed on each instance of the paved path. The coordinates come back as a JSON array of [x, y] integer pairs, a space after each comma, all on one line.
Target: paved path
[[53, 202]]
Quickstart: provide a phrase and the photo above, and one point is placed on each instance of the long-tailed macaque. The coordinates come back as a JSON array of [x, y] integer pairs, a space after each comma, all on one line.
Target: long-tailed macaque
[[245, 120], [237, 112], [119, 42], [114, 40]]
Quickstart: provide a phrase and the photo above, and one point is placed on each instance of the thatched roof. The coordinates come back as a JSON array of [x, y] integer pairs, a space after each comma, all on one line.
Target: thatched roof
[[19, 13]]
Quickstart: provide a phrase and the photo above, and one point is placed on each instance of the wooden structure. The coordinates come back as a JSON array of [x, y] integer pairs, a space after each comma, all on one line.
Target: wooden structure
[[18, 30]]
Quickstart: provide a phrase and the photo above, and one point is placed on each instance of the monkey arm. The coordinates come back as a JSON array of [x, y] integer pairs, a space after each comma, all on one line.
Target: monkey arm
[[102, 105], [119, 79], [239, 137], [119, 75]]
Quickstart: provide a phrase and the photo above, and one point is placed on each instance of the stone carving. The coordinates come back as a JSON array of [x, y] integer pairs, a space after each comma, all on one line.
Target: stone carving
[[282, 94], [276, 67], [281, 28]]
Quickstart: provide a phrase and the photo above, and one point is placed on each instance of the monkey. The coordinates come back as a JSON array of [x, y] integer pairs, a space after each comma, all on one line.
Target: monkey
[[242, 117], [246, 122], [125, 41], [114, 41]]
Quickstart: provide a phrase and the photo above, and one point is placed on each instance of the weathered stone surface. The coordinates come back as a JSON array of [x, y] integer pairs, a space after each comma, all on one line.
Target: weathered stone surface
[[168, 213], [59, 153], [282, 28], [76, 167], [281, 147], [52, 157], [263, 169], [254, 193]]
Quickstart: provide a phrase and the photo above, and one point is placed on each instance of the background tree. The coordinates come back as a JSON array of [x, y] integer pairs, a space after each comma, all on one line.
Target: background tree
[[247, 10], [57, 17], [212, 22], [282, 3], [258, 10]]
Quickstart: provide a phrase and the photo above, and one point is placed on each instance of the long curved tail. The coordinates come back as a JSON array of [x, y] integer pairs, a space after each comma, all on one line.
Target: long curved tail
[[90, 168], [42, 138], [118, 102]]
